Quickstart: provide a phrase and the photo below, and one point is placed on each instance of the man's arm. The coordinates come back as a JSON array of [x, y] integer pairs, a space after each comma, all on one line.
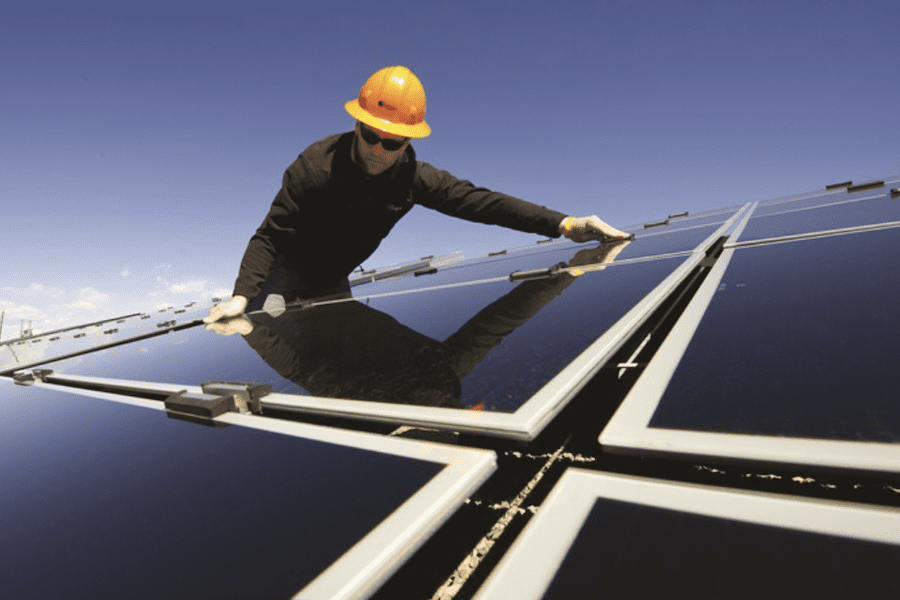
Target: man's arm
[[443, 192]]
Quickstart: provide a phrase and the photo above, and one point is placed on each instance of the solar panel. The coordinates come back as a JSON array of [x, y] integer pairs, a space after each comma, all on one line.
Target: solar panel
[[853, 210], [115, 500], [611, 536], [792, 360], [25, 353], [493, 346]]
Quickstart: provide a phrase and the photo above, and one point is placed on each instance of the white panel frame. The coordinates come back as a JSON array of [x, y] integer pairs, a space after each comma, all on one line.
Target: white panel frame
[[374, 558], [537, 554], [628, 431]]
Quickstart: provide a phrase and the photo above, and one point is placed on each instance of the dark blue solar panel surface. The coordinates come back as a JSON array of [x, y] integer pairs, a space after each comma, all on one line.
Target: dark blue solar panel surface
[[508, 358], [800, 340], [881, 209], [493, 344], [106, 500], [631, 551]]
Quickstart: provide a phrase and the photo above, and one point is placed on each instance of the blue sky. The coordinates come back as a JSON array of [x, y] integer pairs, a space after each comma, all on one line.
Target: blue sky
[[142, 143]]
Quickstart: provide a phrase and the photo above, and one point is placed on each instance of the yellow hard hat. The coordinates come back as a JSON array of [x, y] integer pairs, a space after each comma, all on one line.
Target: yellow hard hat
[[392, 100]]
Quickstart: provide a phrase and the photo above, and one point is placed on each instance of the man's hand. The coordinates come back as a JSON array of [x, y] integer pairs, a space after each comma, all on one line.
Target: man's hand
[[227, 310], [583, 229], [241, 325]]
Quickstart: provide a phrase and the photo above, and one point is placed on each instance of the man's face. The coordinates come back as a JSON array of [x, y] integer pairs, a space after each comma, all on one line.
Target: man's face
[[373, 158]]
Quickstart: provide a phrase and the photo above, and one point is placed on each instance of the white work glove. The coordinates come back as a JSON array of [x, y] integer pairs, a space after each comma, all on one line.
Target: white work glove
[[583, 229], [233, 308]]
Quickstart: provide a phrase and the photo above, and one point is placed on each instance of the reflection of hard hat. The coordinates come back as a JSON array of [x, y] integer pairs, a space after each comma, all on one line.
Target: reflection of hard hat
[[392, 100]]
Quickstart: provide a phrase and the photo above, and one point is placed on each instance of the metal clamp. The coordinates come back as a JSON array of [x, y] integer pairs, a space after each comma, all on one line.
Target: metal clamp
[[530, 274], [246, 395], [662, 223], [30, 377], [865, 186], [198, 408], [218, 398]]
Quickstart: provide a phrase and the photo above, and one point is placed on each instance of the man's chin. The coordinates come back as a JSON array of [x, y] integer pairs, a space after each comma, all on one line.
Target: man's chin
[[374, 169]]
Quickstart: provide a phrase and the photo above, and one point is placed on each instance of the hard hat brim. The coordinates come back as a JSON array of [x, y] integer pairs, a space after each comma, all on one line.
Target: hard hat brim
[[419, 130]]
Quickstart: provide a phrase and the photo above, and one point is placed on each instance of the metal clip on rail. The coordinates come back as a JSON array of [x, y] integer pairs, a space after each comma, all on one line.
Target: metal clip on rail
[[29, 377], [246, 395], [217, 398], [198, 408], [529, 274]]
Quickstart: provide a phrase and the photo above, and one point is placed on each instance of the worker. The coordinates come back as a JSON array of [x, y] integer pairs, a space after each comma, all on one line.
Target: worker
[[344, 193]]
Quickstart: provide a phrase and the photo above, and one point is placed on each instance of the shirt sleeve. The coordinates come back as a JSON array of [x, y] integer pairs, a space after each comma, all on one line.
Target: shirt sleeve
[[441, 191], [279, 226]]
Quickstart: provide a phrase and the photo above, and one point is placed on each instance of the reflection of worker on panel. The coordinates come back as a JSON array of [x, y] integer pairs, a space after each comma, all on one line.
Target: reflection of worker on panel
[[351, 351], [344, 193]]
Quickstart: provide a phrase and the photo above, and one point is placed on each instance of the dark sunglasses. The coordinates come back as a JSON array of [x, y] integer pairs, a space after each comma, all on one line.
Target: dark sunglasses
[[373, 139]]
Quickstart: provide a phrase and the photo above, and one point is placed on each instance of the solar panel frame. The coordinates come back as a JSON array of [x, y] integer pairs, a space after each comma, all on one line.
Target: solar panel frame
[[628, 432], [374, 558], [538, 553]]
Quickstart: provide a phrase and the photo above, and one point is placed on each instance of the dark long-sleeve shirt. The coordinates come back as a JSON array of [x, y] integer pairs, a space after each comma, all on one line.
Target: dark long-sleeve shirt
[[329, 216]]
